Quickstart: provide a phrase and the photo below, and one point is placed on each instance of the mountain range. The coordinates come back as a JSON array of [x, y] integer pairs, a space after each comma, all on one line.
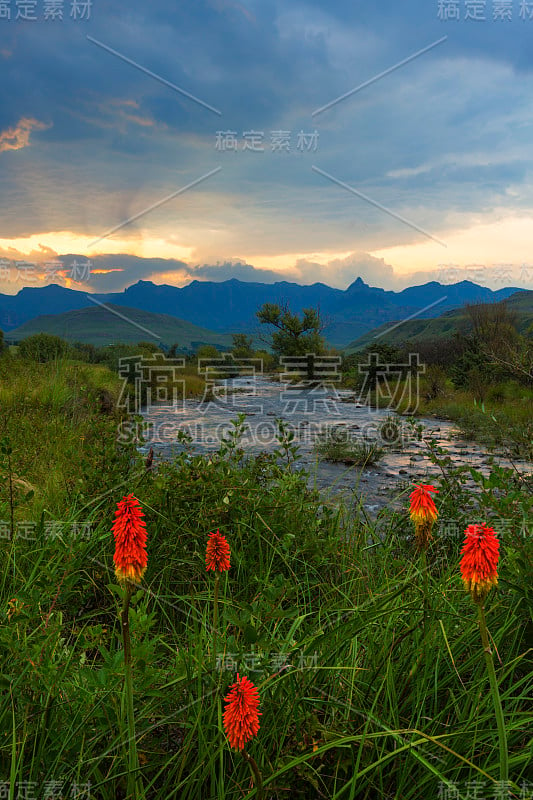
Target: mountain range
[[230, 306], [520, 304]]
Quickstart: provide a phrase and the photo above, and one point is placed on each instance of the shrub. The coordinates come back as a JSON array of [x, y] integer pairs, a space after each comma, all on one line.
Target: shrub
[[337, 445], [435, 382], [43, 347], [496, 393]]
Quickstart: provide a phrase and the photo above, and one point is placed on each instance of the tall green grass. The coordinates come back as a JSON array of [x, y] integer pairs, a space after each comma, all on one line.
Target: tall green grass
[[321, 609]]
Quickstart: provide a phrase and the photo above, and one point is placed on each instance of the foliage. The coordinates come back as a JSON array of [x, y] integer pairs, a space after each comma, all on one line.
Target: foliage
[[294, 336], [149, 347], [435, 382], [208, 351], [482, 378], [242, 346], [43, 347], [365, 690], [365, 369], [336, 444]]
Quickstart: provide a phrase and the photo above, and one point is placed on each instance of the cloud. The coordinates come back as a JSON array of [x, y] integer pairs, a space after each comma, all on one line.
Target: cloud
[[19, 136], [341, 272], [235, 269], [115, 272], [444, 141]]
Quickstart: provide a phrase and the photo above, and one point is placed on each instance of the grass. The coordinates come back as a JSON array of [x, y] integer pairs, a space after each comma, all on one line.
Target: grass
[[501, 419], [336, 446], [359, 699], [61, 419], [54, 416]]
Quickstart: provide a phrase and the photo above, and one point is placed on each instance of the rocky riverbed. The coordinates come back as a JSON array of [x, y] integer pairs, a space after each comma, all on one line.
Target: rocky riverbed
[[308, 412]]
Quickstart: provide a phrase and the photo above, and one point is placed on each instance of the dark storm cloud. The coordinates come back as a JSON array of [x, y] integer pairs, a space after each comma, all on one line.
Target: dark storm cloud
[[448, 133]]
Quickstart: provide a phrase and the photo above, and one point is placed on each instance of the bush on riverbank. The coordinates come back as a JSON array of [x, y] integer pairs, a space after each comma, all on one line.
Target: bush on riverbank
[[502, 420], [336, 445], [363, 694]]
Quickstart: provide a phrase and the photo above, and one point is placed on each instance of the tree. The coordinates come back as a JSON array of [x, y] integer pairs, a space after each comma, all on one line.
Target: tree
[[368, 368], [242, 346], [208, 351], [492, 323], [294, 336], [516, 359], [268, 361], [1, 340], [499, 344], [149, 347], [113, 353]]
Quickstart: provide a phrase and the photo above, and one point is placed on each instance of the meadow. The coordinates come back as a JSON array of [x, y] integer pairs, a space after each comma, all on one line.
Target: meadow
[[366, 653]]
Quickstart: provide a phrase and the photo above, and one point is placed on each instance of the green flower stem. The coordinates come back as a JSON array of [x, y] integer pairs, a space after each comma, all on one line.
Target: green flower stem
[[424, 567], [502, 735], [135, 789], [256, 773], [215, 619]]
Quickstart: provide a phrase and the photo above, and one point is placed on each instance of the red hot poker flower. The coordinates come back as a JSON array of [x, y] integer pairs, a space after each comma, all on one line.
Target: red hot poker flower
[[423, 513], [129, 530], [479, 563], [217, 553], [241, 718], [422, 505]]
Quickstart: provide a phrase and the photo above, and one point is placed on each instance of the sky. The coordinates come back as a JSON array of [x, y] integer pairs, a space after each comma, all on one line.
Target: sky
[[266, 140]]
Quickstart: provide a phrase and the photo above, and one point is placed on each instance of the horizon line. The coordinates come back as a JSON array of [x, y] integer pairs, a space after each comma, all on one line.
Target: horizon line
[[264, 283]]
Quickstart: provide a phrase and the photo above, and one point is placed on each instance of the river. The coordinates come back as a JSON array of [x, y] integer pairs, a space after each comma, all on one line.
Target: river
[[307, 412]]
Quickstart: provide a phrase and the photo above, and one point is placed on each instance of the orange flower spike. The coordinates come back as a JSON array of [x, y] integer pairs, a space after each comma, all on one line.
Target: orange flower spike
[[129, 530], [241, 718], [217, 553], [479, 563], [423, 513]]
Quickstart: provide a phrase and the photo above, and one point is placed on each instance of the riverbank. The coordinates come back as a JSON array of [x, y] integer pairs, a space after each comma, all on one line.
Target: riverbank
[[497, 416]]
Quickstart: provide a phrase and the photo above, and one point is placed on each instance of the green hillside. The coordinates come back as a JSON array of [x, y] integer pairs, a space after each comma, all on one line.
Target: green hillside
[[105, 325], [456, 321]]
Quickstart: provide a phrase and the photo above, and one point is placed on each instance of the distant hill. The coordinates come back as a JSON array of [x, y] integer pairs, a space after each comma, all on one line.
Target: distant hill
[[521, 303], [230, 306], [100, 326]]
